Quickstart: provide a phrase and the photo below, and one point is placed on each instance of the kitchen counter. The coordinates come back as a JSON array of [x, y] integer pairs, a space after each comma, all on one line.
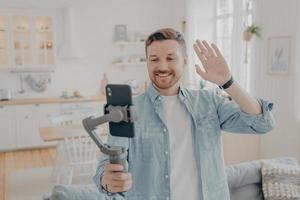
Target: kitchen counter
[[51, 100]]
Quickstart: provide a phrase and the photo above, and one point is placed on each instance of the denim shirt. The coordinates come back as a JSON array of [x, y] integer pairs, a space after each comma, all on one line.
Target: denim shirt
[[149, 157]]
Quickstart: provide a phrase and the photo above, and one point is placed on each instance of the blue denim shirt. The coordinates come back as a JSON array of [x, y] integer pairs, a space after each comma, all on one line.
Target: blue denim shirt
[[149, 158]]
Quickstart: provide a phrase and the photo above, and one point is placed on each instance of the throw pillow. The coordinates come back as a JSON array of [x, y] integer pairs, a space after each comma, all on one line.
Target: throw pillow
[[280, 181]]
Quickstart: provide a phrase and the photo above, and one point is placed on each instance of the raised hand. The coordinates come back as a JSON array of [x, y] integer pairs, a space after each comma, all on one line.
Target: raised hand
[[213, 62]]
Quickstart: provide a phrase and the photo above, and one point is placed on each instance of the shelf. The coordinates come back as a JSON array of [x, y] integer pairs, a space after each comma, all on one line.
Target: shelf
[[30, 69], [129, 64], [129, 43]]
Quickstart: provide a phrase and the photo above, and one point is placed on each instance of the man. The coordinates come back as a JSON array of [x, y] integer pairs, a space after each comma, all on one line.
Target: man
[[176, 153]]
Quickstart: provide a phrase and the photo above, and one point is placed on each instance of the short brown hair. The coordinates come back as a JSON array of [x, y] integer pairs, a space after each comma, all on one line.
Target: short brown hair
[[166, 34]]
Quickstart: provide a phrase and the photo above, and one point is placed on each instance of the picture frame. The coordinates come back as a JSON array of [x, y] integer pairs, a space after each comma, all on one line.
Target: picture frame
[[120, 33], [279, 53]]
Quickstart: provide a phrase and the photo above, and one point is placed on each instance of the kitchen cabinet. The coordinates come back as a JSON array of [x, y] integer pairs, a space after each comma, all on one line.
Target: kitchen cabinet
[[26, 40], [8, 131], [19, 124], [29, 119], [3, 42]]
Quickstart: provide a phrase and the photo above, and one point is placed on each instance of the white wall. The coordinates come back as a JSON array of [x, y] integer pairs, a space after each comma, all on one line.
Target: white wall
[[280, 18], [94, 24]]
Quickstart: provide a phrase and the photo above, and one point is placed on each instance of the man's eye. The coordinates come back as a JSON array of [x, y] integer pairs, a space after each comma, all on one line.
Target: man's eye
[[171, 58], [154, 60]]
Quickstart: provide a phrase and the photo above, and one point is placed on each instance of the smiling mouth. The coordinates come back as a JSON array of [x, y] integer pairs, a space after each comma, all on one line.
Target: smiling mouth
[[162, 75]]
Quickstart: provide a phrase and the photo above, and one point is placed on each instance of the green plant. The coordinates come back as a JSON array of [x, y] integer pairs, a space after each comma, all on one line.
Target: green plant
[[254, 30]]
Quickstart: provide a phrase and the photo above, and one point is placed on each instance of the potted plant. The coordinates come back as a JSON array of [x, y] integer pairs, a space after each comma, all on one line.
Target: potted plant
[[250, 31]]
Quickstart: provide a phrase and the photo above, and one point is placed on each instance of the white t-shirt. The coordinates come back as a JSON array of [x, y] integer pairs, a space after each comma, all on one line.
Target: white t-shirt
[[184, 176]]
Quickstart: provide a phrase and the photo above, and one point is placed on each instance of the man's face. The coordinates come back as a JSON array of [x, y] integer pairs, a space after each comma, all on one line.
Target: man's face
[[166, 63]]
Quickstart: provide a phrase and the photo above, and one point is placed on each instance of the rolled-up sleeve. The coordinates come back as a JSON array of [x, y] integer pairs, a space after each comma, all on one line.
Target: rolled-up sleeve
[[233, 119]]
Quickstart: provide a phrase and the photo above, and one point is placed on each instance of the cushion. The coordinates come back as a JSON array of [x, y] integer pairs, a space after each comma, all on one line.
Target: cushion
[[242, 174], [76, 192], [280, 181], [247, 192]]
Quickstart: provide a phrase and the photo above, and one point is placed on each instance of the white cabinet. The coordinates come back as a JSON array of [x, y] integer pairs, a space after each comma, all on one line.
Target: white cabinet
[[19, 124], [26, 40], [27, 123], [8, 137], [29, 119], [46, 112]]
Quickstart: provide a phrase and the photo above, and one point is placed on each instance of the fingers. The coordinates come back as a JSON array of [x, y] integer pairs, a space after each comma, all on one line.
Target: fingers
[[202, 73], [119, 176], [203, 50], [216, 49], [113, 167], [116, 181], [115, 187], [210, 51], [199, 53]]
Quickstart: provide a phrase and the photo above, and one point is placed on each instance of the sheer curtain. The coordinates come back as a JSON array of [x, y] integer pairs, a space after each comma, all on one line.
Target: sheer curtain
[[222, 22]]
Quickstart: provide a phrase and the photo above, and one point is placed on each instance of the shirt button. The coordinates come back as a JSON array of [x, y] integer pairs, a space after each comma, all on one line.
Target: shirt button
[[165, 130], [166, 176], [166, 152]]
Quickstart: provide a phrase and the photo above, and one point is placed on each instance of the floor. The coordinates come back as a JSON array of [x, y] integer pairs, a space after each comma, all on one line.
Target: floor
[[23, 159]]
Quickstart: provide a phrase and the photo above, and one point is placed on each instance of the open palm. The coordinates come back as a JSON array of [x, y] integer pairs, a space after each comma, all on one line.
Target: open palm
[[214, 64]]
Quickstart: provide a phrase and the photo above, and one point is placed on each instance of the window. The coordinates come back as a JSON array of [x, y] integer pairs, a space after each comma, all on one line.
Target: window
[[232, 18]]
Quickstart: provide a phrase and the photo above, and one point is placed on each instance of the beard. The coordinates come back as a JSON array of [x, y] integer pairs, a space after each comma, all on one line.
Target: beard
[[164, 79]]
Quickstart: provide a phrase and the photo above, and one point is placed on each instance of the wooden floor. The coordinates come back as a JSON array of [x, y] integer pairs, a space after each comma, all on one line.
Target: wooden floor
[[23, 159]]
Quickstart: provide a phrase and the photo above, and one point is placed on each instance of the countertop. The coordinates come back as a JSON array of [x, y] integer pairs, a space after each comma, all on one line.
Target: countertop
[[52, 100]]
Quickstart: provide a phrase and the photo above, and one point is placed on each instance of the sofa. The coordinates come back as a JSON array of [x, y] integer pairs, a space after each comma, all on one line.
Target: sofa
[[244, 181]]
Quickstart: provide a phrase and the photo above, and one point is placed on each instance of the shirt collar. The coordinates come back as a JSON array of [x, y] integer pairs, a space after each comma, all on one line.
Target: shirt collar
[[154, 93]]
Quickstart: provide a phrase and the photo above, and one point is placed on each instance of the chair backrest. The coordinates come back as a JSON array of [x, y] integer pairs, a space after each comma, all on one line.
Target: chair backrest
[[77, 146], [80, 149]]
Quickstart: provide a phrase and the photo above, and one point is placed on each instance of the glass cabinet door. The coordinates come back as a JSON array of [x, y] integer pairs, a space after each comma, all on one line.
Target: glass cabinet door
[[44, 40], [3, 42], [21, 40]]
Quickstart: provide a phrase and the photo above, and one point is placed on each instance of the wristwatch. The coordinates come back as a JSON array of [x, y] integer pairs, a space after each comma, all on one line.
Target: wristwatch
[[227, 84]]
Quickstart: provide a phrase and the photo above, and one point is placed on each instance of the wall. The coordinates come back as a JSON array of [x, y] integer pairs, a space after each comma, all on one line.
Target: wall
[[280, 18], [94, 24]]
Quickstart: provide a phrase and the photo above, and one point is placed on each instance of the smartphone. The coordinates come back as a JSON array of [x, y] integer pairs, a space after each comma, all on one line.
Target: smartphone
[[119, 95]]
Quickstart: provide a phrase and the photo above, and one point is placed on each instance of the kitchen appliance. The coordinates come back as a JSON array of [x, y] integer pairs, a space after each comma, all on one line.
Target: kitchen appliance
[[5, 94]]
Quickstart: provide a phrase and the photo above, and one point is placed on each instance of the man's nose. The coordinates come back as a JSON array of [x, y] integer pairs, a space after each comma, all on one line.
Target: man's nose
[[163, 65]]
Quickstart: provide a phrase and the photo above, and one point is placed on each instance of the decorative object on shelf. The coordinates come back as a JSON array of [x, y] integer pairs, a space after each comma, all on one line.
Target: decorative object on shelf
[[104, 82], [279, 54], [143, 37], [248, 34], [77, 94], [121, 32], [65, 95], [39, 85]]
